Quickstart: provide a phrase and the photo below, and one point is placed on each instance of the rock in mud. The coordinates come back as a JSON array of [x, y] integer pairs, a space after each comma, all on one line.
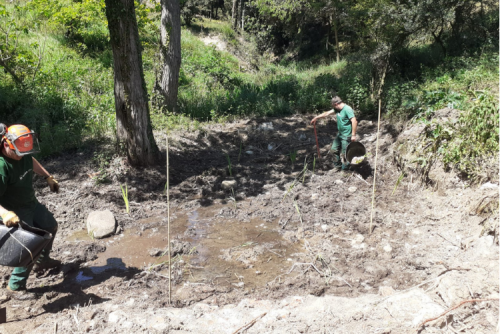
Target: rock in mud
[[155, 252], [412, 307], [101, 224], [266, 126], [352, 189], [385, 291], [176, 248], [229, 184], [339, 181]]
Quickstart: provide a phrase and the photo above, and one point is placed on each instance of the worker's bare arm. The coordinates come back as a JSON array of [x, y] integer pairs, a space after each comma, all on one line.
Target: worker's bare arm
[[354, 123], [325, 114], [39, 170]]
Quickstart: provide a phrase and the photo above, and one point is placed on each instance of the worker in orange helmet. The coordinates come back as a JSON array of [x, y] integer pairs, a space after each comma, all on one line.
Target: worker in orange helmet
[[18, 201]]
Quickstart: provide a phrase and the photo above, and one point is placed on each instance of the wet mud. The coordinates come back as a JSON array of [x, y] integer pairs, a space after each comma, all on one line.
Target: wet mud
[[289, 226]]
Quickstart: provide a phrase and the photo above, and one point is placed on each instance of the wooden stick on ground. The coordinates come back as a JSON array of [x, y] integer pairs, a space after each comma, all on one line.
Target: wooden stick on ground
[[455, 307], [168, 235], [376, 156], [250, 324]]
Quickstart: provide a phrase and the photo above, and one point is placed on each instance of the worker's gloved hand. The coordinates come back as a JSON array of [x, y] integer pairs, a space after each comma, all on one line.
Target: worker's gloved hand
[[53, 184], [10, 219]]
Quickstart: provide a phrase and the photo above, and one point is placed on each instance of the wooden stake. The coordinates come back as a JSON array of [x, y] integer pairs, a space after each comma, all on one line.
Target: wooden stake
[[376, 156], [168, 234]]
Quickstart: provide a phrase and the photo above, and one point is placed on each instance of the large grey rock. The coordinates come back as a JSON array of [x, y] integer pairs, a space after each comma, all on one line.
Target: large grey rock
[[101, 224]]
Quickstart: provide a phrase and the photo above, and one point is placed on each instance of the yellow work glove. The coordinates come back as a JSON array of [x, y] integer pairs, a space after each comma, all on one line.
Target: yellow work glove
[[10, 219], [53, 184]]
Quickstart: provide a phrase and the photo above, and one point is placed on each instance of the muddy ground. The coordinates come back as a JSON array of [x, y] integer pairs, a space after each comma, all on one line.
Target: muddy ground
[[291, 239]]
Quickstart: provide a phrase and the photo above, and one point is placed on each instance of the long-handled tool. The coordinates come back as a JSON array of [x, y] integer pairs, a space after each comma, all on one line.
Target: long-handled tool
[[317, 144]]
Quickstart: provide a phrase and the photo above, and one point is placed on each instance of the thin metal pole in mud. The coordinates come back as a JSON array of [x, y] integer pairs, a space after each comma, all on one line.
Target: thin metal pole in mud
[[168, 236], [317, 144], [375, 171]]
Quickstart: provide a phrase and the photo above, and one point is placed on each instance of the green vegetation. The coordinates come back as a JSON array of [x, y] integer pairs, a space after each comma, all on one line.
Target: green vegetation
[[57, 68], [125, 197], [229, 166]]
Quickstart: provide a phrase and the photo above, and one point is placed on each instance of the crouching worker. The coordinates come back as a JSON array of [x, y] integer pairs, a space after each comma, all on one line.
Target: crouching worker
[[18, 201]]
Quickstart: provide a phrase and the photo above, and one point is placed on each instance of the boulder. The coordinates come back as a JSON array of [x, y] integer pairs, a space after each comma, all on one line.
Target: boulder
[[101, 224]]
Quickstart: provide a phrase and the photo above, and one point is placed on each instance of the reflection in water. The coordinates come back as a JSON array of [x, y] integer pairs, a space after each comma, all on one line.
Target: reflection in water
[[112, 263], [82, 278]]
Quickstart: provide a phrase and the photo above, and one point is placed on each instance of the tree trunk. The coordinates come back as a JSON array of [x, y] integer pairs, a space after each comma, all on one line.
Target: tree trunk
[[337, 50], [170, 53], [438, 40], [235, 14], [131, 100], [242, 12]]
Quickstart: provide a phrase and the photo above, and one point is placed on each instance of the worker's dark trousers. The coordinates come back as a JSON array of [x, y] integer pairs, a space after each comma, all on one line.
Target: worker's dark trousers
[[42, 219], [339, 148]]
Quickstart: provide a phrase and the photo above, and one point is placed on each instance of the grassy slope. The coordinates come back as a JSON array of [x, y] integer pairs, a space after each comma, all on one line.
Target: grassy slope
[[74, 88]]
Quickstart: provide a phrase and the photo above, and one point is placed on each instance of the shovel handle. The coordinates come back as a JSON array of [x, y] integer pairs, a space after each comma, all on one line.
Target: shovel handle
[[317, 144]]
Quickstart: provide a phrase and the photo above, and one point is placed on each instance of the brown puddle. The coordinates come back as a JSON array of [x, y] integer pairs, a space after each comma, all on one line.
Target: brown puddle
[[228, 252]]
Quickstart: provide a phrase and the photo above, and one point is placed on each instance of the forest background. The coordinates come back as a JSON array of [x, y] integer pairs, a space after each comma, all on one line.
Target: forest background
[[281, 57]]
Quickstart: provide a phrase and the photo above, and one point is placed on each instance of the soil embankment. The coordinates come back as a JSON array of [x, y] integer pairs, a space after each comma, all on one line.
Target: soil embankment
[[290, 239]]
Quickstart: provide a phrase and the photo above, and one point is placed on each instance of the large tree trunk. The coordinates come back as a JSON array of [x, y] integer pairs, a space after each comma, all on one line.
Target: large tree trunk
[[170, 52], [235, 14], [131, 100]]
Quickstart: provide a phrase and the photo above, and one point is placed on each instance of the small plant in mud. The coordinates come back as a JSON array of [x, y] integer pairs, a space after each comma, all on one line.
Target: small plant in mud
[[304, 170], [229, 165], [233, 199], [401, 176], [125, 197], [293, 156], [314, 163], [101, 177], [301, 174]]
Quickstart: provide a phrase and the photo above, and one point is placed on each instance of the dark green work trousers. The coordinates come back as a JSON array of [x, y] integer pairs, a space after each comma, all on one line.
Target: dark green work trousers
[[40, 218], [339, 148]]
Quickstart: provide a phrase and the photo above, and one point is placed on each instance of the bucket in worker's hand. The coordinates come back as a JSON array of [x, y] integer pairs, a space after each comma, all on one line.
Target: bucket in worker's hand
[[355, 153], [21, 245]]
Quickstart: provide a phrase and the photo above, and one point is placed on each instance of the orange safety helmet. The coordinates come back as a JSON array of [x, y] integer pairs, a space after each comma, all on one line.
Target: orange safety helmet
[[21, 140]]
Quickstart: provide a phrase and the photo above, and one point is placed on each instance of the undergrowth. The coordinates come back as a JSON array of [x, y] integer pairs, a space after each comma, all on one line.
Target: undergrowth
[[65, 62]]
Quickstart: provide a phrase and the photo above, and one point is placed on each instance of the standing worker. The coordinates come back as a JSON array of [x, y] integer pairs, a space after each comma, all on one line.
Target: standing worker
[[18, 201], [347, 125]]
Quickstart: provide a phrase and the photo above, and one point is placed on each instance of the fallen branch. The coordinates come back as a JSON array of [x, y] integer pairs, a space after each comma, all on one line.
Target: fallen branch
[[455, 307], [304, 264], [447, 240], [359, 177], [250, 324], [274, 252]]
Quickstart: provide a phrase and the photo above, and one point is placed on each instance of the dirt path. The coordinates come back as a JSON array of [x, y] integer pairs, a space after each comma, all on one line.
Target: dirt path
[[290, 240]]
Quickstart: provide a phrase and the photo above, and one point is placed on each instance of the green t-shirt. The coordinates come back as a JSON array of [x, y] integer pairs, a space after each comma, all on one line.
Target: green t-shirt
[[16, 184], [344, 122]]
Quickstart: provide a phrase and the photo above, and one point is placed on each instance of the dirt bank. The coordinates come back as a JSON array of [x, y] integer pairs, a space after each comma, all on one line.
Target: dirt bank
[[290, 238]]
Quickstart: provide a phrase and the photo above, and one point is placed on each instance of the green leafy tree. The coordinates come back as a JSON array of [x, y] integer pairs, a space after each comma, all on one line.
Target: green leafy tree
[[20, 60]]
